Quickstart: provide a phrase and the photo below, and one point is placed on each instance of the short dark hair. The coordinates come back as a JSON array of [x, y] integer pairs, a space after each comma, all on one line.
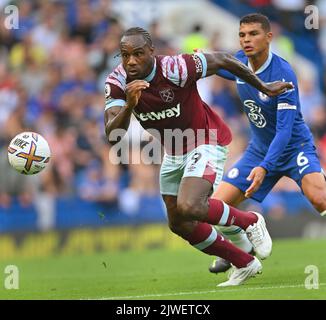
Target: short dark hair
[[137, 30], [257, 18]]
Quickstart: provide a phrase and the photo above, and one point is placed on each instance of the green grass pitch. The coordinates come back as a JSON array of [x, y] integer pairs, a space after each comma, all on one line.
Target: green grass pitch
[[165, 274]]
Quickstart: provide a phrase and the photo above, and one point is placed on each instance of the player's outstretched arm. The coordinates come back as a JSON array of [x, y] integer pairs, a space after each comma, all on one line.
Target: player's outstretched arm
[[222, 60], [119, 117]]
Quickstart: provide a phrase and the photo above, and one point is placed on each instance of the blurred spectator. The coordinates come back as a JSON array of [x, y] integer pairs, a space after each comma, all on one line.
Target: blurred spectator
[[96, 186], [12, 186], [143, 184], [223, 99], [62, 143], [321, 5], [46, 34], [310, 97], [26, 52], [282, 45], [195, 40], [264, 7], [8, 95], [215, 42], [291, 14], [103, 57], [6, 38], [27, 19], [161, 45], [322, 35]]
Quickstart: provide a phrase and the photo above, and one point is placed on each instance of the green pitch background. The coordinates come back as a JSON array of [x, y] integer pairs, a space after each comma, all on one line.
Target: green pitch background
[[165, 274]]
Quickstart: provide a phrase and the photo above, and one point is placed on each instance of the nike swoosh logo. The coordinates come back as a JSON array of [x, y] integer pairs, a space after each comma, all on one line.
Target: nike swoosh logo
[[238, 81], [304, 168]]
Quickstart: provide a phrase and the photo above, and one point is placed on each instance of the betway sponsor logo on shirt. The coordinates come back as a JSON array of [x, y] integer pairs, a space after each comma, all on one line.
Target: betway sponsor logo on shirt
[[159, 115]]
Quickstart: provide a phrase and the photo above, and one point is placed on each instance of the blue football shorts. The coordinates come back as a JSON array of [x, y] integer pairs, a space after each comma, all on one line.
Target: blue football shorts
[[295, 166]]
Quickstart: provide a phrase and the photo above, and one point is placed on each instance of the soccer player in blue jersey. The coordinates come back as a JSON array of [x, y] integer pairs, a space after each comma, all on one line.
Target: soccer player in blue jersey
[[281, 143]]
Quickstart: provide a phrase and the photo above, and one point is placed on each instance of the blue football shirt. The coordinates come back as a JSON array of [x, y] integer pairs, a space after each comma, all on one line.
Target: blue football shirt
[[277, 125]]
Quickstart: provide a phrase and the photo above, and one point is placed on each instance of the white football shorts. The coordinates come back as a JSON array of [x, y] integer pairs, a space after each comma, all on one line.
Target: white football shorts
[[206, 161]]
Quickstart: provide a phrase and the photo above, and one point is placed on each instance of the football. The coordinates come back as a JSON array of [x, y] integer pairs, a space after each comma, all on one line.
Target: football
[[29, 153]]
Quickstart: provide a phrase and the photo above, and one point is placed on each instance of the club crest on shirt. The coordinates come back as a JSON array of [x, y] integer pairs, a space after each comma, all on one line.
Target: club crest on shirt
[[233, 173], [263, 96], [167, 95]]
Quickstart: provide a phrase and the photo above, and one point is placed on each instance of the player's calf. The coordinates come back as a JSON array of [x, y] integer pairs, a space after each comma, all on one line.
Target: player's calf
[[205, 238], [319, 202], [314, 188], [239, 238]]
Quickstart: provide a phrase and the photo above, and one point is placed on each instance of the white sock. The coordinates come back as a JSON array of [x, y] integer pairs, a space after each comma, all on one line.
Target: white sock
[[323, 213], [238, 237]]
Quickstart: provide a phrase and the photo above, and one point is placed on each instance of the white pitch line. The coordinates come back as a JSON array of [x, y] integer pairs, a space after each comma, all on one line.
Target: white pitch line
[[205, 292]]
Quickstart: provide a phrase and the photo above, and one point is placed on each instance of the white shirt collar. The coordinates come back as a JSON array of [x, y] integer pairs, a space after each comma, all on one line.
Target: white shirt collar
[[150, 77]]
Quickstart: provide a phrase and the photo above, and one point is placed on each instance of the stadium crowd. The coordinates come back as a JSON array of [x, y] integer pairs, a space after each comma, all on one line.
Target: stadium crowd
[[52, 73]]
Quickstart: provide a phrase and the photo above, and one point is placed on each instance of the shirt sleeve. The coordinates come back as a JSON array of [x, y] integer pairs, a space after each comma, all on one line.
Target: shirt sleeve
[[286, 113], [114, 96], [184, 69], [290, 97], [226, 74], [285, 120]]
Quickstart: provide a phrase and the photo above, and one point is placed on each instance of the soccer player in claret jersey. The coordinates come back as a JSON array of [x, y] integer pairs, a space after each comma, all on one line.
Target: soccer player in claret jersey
[[161, 92], [281, 143]]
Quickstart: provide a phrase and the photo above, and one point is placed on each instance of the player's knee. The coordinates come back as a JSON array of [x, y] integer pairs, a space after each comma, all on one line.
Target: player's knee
[[190, 210]]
